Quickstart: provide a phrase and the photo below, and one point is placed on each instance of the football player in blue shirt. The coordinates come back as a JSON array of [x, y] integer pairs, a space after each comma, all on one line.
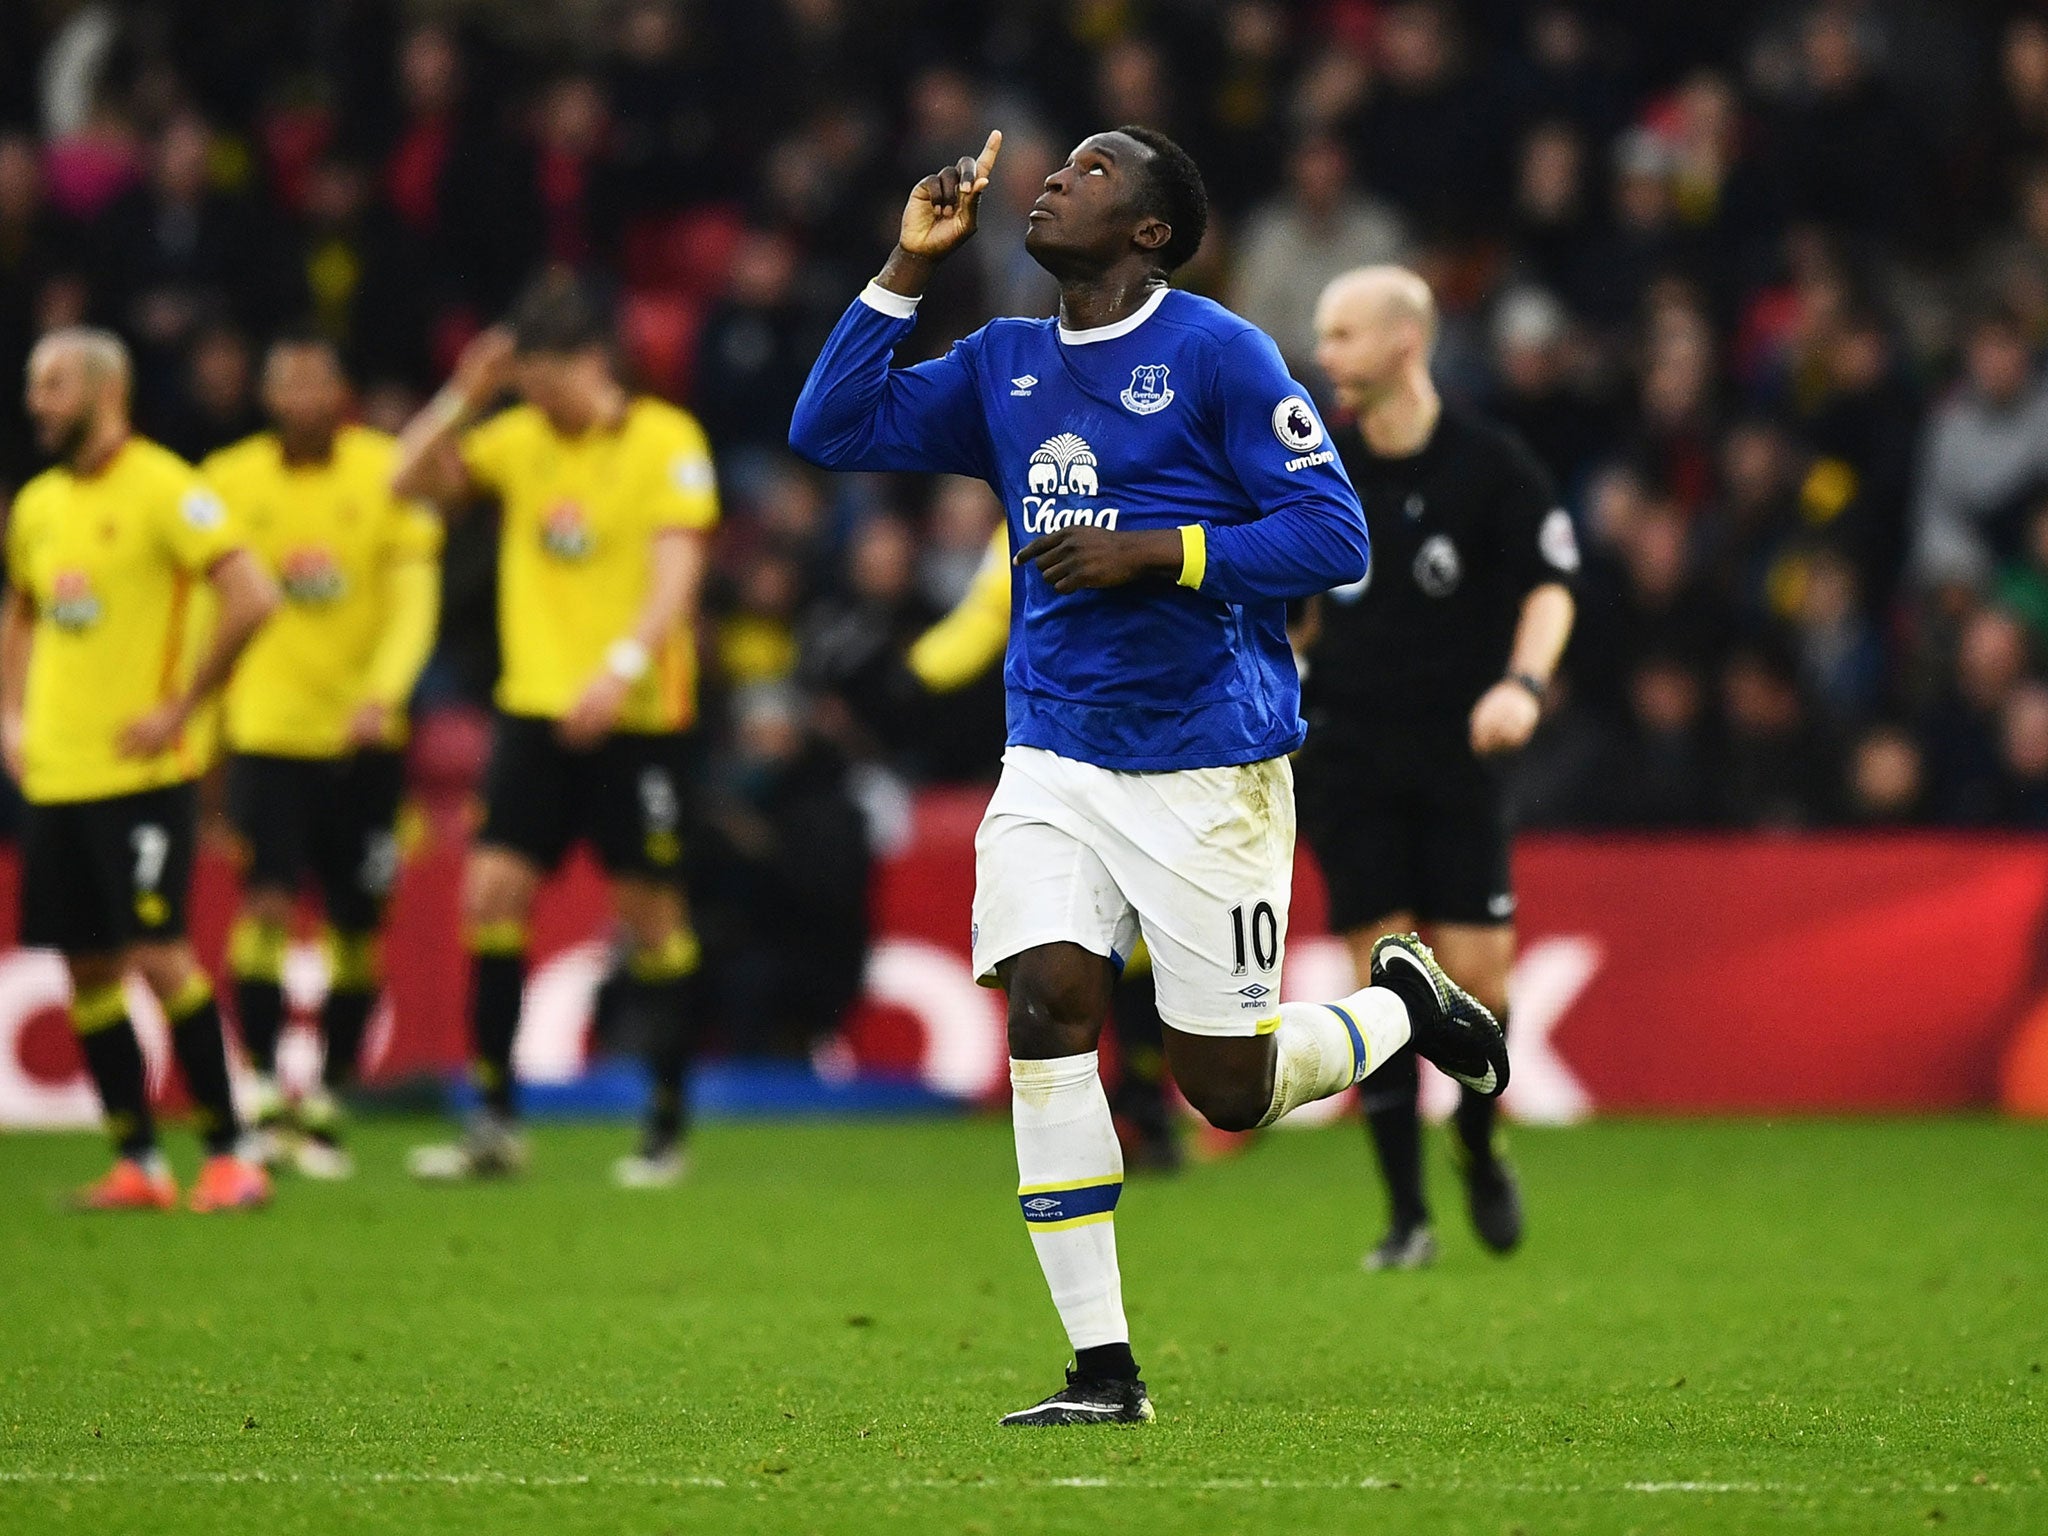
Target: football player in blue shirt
[[1169, 488]]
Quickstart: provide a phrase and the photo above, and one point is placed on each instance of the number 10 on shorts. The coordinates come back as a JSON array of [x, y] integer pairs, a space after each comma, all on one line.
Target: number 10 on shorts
[[1265, 937]]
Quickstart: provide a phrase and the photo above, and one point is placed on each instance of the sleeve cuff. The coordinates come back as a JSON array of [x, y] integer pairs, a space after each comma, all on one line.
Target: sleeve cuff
[[1194, 554], [897, 306]]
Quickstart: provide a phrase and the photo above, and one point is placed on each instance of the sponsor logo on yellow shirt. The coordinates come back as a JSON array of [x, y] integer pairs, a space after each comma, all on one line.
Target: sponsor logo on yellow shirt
[[565, 532], [74, 606], [310, 574]]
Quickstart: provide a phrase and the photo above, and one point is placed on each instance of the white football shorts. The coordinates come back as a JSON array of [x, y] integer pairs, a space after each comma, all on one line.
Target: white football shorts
[[1200, 861]]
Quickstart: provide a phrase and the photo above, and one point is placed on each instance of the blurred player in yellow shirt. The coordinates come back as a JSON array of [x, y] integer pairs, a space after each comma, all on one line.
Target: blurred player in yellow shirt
[[606, 499], [128, 600], [316, 716]]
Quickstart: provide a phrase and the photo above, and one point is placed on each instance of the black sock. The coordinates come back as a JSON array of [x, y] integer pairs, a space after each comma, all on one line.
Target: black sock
[[1141, 1044], [671, 1047], [259, 1010], [114, 1058], [1106, 1362], [1394, 1123], [1476, 1116], [343, 1018], [203, 1058], [498, 980]]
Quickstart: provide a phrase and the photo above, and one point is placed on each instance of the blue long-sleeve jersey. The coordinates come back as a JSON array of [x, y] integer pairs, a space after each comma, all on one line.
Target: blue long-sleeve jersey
[[1181, 414]]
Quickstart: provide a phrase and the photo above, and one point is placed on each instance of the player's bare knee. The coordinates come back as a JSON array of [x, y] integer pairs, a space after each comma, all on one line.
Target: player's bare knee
[[497, 887], [1044, 1025], [269, 905], [1059, 997], [649, 913], [164, 968], [89, 973]]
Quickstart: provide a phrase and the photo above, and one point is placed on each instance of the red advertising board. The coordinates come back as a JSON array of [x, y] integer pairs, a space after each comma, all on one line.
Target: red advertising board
[[1658, 975]]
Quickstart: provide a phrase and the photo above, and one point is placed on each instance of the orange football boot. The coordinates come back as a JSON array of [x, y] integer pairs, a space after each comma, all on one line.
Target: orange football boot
[[227, 1183], [129, 1186]]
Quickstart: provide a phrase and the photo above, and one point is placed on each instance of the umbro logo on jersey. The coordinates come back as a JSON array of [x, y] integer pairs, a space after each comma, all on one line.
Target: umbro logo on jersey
[[1148, 391], [1063, 466], [1023, 387]]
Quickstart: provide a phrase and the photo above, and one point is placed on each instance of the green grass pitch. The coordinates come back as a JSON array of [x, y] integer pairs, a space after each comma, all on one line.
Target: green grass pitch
[[1715, 1327]]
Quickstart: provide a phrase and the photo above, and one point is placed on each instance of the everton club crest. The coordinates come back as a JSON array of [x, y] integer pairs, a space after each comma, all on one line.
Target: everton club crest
[[1148, 391]]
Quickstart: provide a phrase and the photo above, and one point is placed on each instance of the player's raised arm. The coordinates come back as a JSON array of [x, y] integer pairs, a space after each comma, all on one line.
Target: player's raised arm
[[857, 410], [429, 466]]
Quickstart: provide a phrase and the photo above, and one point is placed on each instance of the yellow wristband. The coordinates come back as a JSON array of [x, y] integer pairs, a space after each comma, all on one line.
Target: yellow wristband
[[1194, 554]]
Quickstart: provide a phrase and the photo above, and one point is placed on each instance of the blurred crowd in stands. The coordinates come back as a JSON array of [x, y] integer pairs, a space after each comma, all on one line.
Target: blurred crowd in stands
[[1764, 284]]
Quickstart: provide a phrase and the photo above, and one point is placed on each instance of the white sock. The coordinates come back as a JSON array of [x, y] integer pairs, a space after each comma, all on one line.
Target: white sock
[[1323, 1048], [1070, 1171]]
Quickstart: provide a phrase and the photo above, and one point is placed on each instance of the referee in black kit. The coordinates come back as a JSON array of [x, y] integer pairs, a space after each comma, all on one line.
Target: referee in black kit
[[1419, 680]]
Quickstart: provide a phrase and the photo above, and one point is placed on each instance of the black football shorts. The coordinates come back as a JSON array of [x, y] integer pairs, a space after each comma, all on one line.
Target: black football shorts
[[331, 819], [1410, 822], [100, 875], [624, 796]]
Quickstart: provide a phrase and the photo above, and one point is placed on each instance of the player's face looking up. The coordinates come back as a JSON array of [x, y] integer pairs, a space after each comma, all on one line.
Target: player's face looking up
[[1089, 216], [305, 394]]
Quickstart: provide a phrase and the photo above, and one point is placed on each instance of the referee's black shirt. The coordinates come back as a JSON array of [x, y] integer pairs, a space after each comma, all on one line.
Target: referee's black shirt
[[1462, 531]]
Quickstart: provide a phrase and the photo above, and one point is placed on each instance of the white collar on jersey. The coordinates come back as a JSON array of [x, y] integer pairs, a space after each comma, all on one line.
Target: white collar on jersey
[[1116, 328]]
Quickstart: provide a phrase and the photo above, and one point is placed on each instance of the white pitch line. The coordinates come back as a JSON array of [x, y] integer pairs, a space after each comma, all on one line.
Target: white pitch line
[[487, 1479]]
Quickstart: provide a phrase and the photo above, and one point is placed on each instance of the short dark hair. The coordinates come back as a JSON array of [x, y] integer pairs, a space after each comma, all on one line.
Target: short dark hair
[[556, 313], [1172, 192]]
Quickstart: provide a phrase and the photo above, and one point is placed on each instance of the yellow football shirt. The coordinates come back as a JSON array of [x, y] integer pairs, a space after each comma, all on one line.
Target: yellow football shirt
[[329, 534], [974, 636], [116, 564], [579, 518]]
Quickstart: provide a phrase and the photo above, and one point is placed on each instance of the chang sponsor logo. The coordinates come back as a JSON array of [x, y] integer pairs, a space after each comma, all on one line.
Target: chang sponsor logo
[[1063, 467]]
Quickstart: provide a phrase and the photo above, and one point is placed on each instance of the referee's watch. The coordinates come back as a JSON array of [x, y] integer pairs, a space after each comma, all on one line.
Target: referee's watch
[[1538, 689]]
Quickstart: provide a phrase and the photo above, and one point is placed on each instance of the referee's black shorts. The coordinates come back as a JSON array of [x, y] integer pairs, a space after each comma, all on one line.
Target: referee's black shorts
[[1409, 821], [331, 818], [624, 795], [100, 875]]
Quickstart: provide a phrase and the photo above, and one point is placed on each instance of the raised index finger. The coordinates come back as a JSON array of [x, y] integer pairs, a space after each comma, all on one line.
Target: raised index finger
[[986, 160]]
